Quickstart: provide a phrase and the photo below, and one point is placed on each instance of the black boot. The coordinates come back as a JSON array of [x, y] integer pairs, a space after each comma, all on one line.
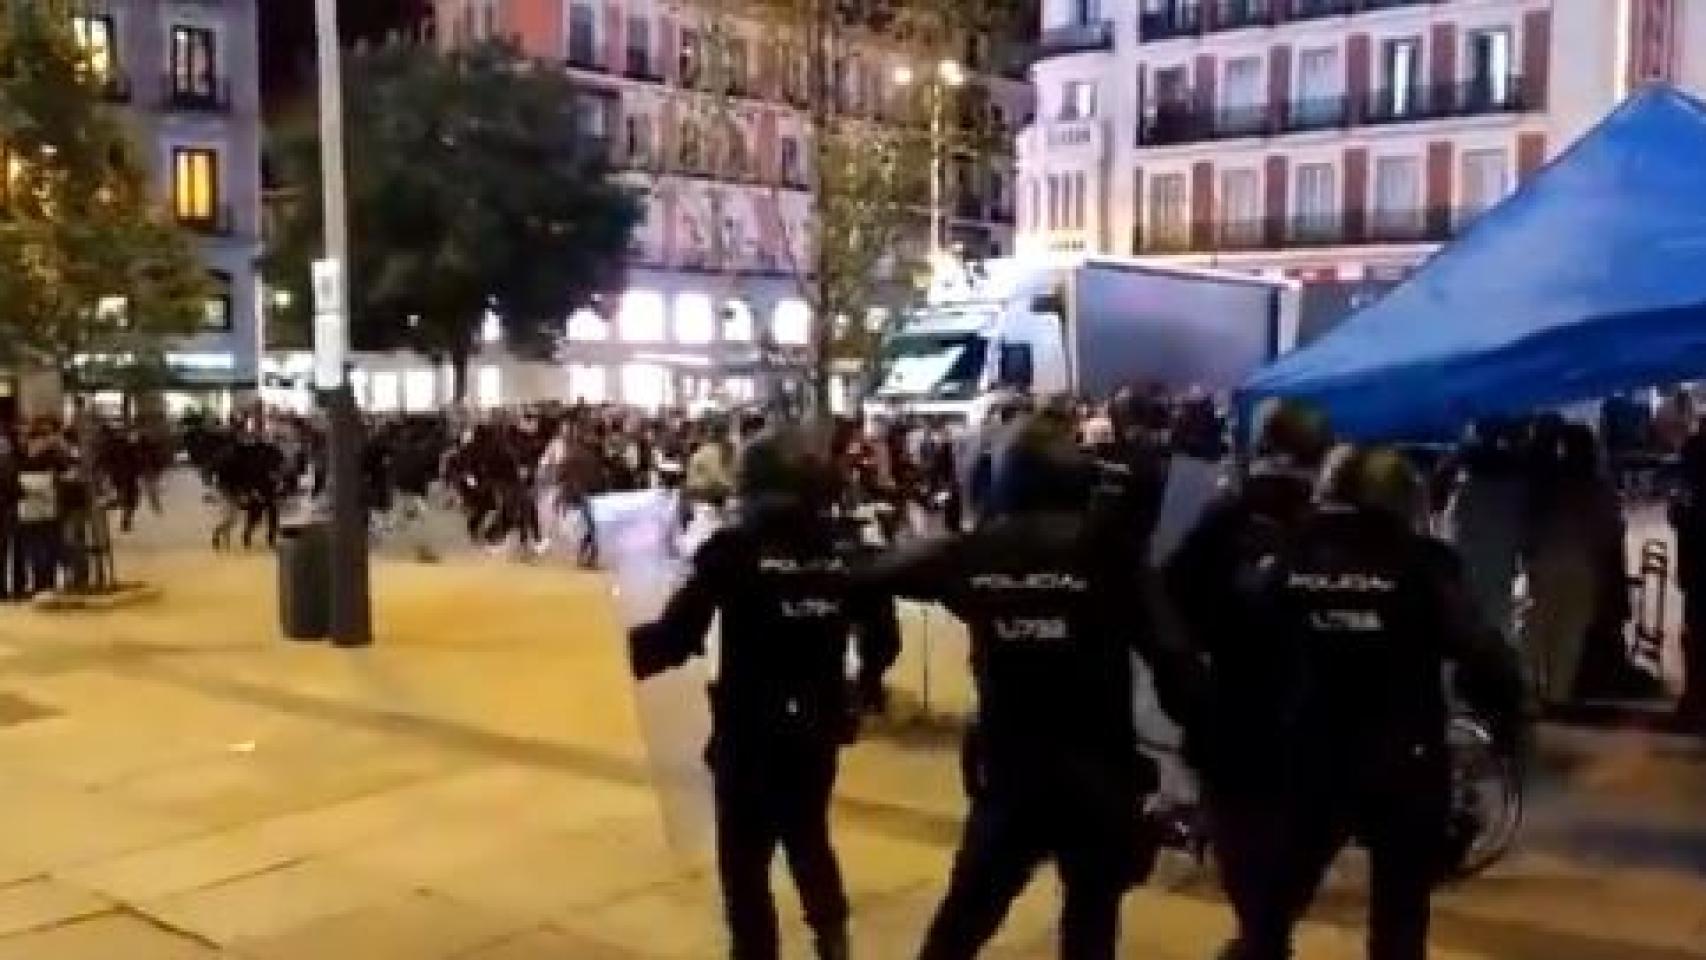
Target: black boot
[[833, 945]]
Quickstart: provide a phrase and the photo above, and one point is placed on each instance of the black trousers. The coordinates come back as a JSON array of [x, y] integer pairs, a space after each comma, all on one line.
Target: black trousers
[[770, 796], [259, 511], [1244, 824], [1094, 837], [8, 532], [1400, 818]]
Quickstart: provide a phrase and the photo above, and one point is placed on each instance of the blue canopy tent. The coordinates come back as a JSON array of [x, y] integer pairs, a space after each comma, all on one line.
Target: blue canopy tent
[[1589, 280]]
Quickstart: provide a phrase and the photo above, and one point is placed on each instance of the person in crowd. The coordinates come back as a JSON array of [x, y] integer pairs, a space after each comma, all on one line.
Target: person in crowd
[[261, 469], [1054, 616], [1367, 615], [413, 462], [39, 537], [1575, 519], [710, 471], [783, 583], [1688, 519], [1674, 422], [1213, 582], [10, 494], [122, 461], [1484, 516]]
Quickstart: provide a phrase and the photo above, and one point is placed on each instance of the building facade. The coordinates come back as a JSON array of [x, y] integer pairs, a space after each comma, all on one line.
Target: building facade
[[714, 281], [1336, 141], [186, 75]]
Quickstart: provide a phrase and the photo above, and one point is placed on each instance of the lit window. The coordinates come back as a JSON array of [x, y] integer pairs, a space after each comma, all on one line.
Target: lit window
[[587, 326], [95, 36], [641, 317], [792, 323], [645, 385], [588, 383], [420, 391], [737, 322], [195, 185], [488, 387], [217, 315], [384, 392], [695, 320], [491, 328]]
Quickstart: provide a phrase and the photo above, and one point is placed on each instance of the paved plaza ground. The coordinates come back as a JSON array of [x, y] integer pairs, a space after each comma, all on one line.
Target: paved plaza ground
[[176, 783]]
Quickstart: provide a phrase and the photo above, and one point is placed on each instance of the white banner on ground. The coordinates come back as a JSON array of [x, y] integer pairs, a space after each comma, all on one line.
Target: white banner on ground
[[637, 543]]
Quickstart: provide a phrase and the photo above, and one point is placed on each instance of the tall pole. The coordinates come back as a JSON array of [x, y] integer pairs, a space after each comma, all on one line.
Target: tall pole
[[351, 619], [938, 216]]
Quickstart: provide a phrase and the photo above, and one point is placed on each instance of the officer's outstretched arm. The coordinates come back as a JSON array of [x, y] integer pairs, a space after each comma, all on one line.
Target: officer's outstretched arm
[[678, 635], [923, 570], [877, 633]]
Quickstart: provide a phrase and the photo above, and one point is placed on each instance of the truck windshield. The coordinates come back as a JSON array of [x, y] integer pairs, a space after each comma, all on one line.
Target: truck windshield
[[934, 366]]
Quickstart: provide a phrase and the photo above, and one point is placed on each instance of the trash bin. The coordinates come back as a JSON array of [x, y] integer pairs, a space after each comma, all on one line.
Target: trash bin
[[304, 581]]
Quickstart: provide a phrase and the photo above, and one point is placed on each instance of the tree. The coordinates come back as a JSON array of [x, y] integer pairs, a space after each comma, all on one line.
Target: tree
[[871, 164], [93, 274], [472, 191]]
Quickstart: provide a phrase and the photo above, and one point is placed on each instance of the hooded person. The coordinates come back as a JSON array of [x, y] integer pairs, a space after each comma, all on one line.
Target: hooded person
[[783, 581]]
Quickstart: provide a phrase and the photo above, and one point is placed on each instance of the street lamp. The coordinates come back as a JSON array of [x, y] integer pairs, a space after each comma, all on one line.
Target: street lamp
[[949, 74]]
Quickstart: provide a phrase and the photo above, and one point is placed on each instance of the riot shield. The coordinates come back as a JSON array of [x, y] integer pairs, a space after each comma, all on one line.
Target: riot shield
[[638, 543]]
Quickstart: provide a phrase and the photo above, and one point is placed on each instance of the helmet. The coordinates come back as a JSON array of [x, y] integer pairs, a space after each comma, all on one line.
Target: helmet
[[785, 465], [1295, 434], [1378, 479], [1038, 465]]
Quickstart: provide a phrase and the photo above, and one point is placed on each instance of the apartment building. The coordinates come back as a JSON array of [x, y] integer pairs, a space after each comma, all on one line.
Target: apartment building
[[185, 74], [714, 292], [1337, 141]]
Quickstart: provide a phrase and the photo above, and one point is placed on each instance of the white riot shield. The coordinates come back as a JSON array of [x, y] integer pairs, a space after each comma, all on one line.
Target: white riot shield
[[636, 537]]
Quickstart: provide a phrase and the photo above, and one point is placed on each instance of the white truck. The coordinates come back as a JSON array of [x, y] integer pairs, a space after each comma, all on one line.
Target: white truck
[[1080, 325]]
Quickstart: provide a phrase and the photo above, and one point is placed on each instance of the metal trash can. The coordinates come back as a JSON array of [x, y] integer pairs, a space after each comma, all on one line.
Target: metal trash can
[[304, 581]]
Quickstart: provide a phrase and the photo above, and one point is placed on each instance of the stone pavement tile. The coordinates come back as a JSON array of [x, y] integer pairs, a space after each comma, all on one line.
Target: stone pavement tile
[[57, 825], [415, 926], [434, 850], [681, 920], [112, 936], [43, 902], [270, 903], [346, 823], [549, 943], [159, 872], [544, 876]]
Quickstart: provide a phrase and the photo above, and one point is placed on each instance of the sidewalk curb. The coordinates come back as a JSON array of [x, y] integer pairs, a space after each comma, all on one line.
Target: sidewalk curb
[[121, 597]]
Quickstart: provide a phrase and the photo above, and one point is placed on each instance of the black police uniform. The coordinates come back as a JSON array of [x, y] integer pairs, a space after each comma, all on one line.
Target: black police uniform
[[1053, 616], [1372, 614], [783, 582]]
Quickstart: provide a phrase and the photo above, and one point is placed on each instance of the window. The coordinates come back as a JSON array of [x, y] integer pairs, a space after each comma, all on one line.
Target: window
[[791, 325], [583, 35], [1078, 100], [692, 156], [791, 172], [1401, 78], [1081, 196], [586, 326], [737, 65], [592, 117], [1397, 196], [195, 186], [194, 72], [1169, 210], [1086, 11], [1486, 180], [1318, 87], [488, 20], [100, 51], [1316, 202], [588, 383], [217, 312], [640, 319], [690, 58], [1243, 83], [695, 319], [640, 47], [1490, 68], [1240, 206], [1053, 201], [637, 143]]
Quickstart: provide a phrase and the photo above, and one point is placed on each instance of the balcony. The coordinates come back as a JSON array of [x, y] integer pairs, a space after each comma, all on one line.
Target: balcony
[[1077, 38], [1438, 101], [221, 222], [1192, 18], [1334, 229], [196, 96]]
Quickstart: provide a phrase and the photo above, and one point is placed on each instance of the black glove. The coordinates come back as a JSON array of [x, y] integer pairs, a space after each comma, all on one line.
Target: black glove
[[649, 651]]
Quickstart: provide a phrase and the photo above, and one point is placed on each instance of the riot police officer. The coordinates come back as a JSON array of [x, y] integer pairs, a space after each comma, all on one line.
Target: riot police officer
[[1214, 583], [783, 582], [1050, 609], [1370, 614]]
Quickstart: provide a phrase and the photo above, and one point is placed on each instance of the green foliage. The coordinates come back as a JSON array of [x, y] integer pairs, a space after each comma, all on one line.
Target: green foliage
[[470, 189], [90, 263]]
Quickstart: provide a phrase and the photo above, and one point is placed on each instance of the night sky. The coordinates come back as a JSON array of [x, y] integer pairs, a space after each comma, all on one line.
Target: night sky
[[287, 38]]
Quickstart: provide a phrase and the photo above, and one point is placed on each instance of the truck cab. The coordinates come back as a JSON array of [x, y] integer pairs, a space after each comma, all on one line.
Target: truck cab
[[983, 333]]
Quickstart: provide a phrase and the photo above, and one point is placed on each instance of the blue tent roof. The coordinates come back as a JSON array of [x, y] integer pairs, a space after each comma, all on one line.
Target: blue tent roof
[[1590, 279]]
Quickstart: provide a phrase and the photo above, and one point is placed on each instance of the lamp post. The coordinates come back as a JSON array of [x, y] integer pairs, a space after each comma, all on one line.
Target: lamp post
[[351, 619], [948, 75]]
